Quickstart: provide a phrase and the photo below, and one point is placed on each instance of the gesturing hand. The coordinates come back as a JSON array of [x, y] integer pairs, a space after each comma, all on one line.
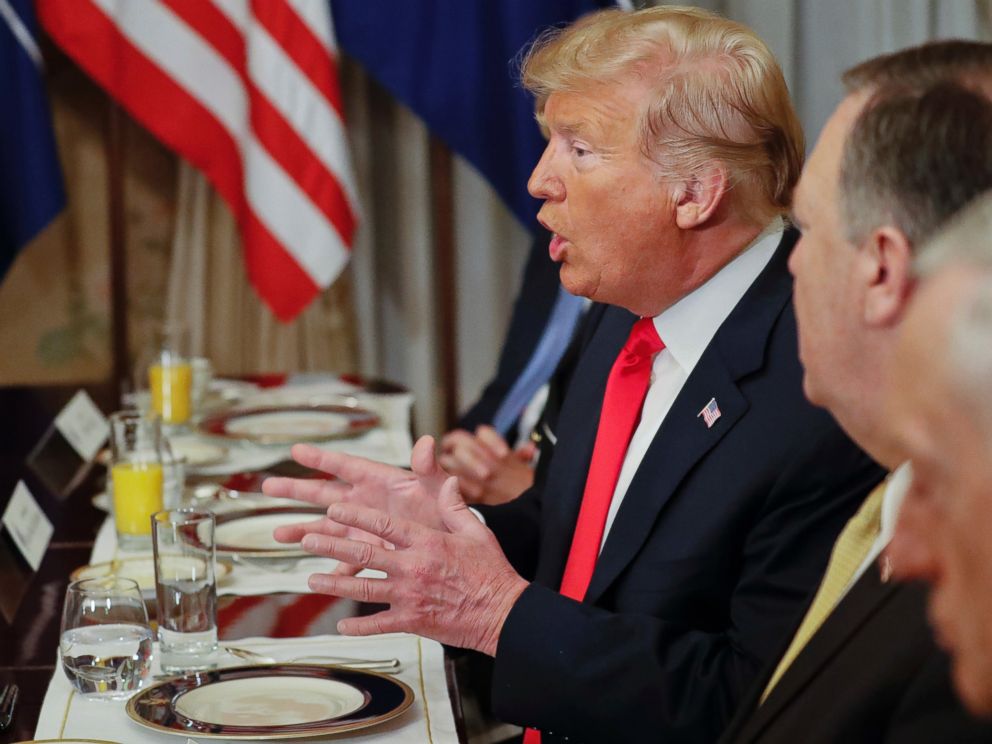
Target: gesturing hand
[[452, 584], [412, 495]]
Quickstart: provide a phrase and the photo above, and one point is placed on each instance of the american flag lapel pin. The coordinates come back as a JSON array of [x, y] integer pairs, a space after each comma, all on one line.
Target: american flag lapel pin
[[710, 413]]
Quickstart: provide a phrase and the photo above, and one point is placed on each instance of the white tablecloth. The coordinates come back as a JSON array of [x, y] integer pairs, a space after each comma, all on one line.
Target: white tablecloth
[[428, 721]]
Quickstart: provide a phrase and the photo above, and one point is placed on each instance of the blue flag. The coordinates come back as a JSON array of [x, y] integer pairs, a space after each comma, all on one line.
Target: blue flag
[[452, 63], [31, 191]]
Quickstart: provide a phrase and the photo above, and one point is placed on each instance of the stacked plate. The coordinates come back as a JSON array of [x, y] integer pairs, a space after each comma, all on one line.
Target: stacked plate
[[274, 701]]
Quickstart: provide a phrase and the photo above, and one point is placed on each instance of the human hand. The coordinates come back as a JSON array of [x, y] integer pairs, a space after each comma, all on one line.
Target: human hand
[[488, 471], [412, 495], [452, 584]]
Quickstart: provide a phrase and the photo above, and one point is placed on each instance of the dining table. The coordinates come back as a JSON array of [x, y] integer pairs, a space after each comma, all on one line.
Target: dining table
[[261, 609]]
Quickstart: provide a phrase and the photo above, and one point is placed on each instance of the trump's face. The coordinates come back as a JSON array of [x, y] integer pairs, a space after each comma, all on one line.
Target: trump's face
[[611, 215], [943, 536]]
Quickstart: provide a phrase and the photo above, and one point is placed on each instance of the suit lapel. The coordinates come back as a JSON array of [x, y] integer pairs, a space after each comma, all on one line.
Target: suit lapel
[[737, 349], [866, 598], [664, 466]]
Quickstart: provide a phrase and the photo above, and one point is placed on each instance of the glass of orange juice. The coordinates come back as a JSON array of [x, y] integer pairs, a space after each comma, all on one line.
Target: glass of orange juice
[[170, 376], [136, 476]]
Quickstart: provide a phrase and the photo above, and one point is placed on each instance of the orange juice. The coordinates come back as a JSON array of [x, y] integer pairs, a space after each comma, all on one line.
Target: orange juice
[[137, 495], [170, 386]]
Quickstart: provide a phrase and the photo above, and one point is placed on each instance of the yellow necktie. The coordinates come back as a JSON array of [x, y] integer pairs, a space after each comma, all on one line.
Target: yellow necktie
[[849, 552]]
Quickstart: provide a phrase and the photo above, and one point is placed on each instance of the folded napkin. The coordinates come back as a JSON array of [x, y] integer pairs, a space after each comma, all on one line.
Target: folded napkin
[[429, 720]]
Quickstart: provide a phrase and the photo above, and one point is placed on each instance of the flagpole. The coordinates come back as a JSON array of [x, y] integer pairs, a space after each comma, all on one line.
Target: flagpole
[[118, 258], [443, 205]]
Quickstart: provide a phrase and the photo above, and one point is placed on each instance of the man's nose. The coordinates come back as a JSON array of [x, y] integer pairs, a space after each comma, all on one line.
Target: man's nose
[[543, 183]]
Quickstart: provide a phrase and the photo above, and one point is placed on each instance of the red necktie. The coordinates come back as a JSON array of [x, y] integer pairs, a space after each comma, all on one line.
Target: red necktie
[[625, 391]]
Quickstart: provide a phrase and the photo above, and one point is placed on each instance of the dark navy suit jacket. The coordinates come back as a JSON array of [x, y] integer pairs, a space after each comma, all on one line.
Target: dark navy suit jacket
[[722, 535]]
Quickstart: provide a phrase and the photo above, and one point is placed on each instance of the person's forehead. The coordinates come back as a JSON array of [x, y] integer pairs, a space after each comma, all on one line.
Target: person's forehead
[[596, 107], [822, 170]]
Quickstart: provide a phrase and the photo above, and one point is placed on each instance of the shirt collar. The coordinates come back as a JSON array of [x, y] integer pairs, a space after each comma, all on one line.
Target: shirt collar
[[688, 326], [896, 488]]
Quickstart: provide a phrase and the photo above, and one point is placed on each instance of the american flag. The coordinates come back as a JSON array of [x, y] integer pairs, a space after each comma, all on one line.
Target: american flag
[[247, 91], [710, 413]]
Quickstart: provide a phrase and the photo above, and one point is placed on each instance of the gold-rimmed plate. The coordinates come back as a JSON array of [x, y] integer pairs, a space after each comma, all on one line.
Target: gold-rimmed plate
[[289, 424], [274, 701], [140, 569], [248, 532]]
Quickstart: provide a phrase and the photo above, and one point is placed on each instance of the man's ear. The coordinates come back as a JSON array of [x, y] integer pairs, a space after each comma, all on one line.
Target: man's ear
[[887, 261], [698, 197]]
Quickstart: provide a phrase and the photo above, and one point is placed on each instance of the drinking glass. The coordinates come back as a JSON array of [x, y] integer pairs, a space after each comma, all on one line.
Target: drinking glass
[[186, 587], [136, 475], [170, 375], [105, 643]]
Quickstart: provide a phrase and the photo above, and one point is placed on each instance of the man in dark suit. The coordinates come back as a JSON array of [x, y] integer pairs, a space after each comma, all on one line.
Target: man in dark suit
[[694, 493], [894, 161]]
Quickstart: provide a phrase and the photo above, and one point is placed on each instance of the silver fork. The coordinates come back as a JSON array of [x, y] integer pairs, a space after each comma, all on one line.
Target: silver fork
[[389, 666]]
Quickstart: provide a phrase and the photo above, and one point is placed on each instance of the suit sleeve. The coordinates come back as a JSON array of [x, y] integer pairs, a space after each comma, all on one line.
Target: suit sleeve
[[593, 675], [930, 711]]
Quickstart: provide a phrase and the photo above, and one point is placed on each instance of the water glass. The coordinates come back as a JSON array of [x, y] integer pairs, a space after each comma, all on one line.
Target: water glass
[[136, 475], [170, 375], [186, 588], [105, 643], [203, 373]]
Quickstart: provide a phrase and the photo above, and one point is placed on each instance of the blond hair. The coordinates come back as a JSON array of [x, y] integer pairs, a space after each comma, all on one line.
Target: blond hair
[[719, 94]]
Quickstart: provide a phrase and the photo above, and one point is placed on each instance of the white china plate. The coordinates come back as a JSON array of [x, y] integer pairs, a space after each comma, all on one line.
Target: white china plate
[[197, 452], [289, 424], [273, 701], [142, 570], [250, 532], [269, 701]]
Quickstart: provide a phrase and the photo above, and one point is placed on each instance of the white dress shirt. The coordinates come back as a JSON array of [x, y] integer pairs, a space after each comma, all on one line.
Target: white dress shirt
[[686, 328]]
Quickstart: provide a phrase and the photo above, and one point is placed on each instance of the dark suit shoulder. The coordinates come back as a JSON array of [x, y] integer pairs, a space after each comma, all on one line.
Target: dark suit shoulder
[[870, 675]]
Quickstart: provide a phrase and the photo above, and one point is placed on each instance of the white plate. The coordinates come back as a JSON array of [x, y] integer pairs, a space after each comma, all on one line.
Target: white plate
[[289, 425], [269, 701], [251, 531], [196, 451], [142, 570], [272, 701]]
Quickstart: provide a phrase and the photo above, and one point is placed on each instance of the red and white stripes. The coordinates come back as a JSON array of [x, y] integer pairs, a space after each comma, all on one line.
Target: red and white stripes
[[247, 91]]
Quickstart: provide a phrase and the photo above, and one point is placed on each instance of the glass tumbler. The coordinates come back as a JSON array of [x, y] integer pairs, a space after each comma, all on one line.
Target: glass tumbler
[[136, 476], [170, 375], [105, 643], [186, 588]]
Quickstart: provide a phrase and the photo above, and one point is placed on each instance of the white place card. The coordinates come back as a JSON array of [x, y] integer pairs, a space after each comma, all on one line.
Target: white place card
[[83, 425], [28, 526]]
